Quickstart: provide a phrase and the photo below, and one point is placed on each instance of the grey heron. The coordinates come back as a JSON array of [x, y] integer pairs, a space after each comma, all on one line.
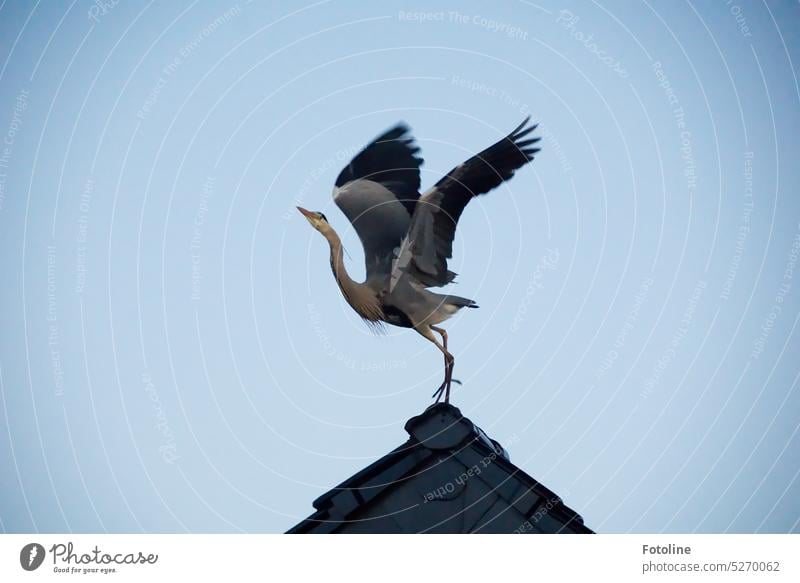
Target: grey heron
[[408, 237]]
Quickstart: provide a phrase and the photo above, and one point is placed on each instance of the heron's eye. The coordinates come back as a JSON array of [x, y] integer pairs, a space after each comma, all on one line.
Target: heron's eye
[[323, 217]]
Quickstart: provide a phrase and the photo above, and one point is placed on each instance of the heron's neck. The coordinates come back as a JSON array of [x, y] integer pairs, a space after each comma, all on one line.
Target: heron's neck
[[346, 284], [360, 296]]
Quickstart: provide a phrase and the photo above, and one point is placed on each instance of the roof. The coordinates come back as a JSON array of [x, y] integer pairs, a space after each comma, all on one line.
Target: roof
[[449, 477]]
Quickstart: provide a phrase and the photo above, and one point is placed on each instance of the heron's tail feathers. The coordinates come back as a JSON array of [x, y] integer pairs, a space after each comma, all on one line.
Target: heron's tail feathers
[[460, 302]]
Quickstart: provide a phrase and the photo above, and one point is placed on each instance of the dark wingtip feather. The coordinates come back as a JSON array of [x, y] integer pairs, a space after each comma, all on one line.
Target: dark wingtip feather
[[525, 143], [521, 134], [522, 125], [397, 130]]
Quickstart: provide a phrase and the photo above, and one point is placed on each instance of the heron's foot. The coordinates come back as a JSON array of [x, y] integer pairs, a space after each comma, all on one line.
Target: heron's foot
[[439, 392]]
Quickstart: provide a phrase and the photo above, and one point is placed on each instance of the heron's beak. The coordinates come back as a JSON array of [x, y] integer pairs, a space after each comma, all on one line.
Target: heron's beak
[[307, 214]]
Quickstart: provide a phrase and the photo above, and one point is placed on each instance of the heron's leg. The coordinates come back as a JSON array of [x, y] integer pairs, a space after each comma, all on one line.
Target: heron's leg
[[427, 332], [449, 362]]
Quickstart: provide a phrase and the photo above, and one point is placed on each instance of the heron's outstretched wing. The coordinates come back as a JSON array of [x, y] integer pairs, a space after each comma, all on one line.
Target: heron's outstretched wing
[[429, 242], [378, 191]]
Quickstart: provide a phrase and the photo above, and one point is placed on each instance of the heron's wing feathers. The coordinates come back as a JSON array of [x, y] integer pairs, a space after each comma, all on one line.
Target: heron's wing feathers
[[377, 192], [429, 242], [380, 221], [390, 160]]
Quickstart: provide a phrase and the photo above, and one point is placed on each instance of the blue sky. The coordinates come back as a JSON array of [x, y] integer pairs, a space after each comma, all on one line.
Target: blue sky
[[175, 354]]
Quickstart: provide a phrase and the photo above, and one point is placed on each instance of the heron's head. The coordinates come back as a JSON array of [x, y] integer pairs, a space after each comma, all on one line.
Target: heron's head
[[317, 220]]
